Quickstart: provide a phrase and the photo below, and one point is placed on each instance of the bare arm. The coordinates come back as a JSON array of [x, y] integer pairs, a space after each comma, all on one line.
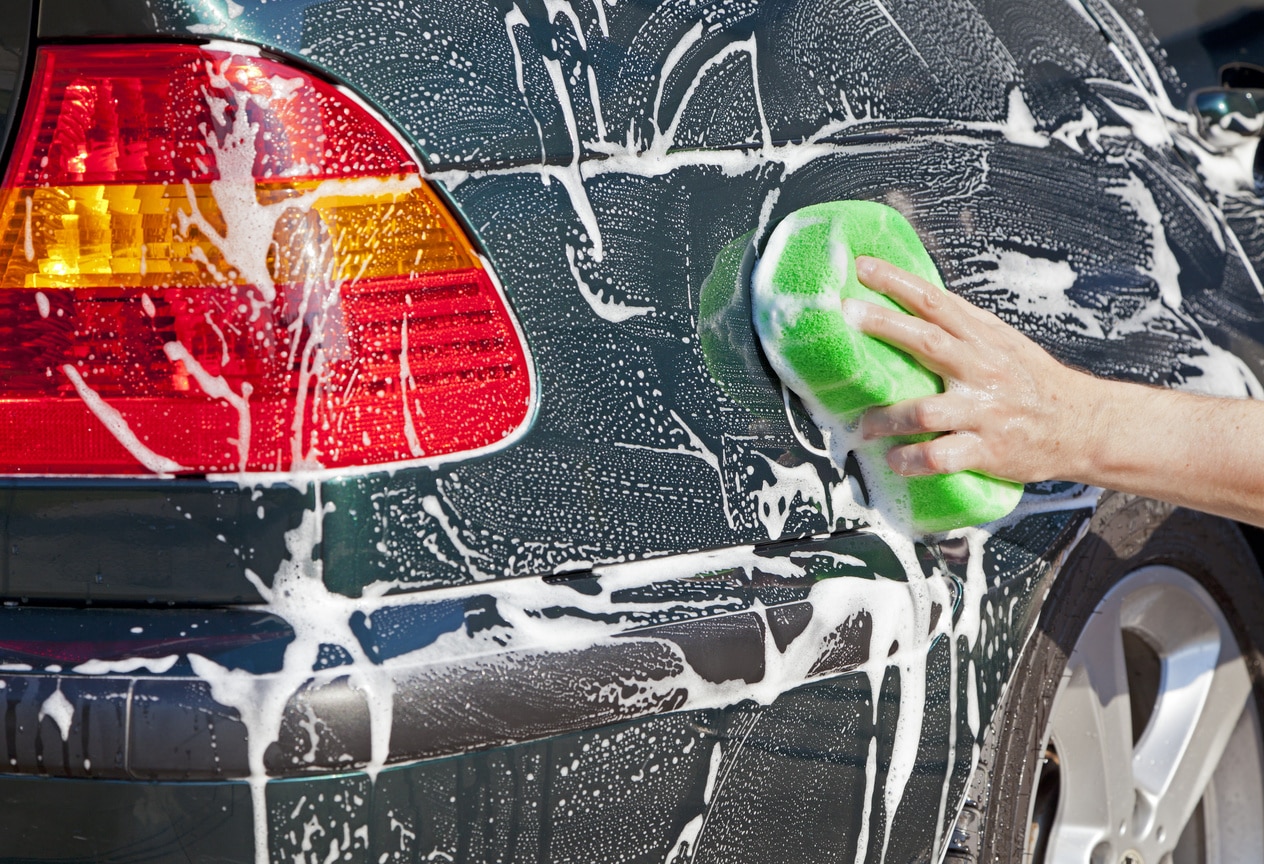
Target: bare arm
[[1012, 410]]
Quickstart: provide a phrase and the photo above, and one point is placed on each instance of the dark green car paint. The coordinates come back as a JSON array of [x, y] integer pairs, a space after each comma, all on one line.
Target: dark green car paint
[[15, 38], [522, 802], [510, 767]]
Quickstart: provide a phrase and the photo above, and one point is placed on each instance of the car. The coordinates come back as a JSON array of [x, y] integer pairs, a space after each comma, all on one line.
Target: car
[[392, 471]]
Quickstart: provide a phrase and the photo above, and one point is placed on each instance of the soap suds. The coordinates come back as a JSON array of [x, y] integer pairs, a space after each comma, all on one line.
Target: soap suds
[[153, 665], [900, 640], [28, 240], [612, 310], [58, 708], [217, 387], [1020, 125], [117, 426], [1035, 286]]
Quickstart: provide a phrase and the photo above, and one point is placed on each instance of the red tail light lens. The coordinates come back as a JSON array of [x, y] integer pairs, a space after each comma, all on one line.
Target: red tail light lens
[[214, 262]]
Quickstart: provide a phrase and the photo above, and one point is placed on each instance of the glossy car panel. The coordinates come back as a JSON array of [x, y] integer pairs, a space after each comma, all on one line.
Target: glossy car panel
[[616, 163], [633, 788]]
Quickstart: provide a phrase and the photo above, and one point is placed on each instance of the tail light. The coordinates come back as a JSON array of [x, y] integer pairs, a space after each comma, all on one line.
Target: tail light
[[214, 262]]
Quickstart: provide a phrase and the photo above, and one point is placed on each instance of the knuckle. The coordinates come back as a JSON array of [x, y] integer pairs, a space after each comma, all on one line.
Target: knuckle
[[940, 457], [933, 341], [924, 415]]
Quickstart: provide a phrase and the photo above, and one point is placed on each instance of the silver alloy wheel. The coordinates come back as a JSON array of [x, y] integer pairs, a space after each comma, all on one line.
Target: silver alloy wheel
[[1188, 784]]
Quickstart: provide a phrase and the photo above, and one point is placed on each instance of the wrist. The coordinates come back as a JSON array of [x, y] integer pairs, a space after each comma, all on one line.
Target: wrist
[[1090, 428]]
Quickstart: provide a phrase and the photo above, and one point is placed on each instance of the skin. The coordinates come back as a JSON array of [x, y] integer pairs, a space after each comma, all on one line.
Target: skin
[[1011, 410]]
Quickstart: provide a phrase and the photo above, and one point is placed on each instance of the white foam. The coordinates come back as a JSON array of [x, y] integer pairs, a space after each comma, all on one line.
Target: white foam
[[117, 426], [155, 665], [317, 616], [1020, 126], [563, 8], [217, 387], [1070, 132], [58, 708], [713, 772], [1164, 269], [886, 13], [775, 500], [677, 53], [608, 308], [1036, 286], [514, 18], [697, 449], [406, 387], [28, 240]]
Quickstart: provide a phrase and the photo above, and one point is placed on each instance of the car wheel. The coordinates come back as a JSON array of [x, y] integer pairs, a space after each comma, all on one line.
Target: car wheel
[[1132, 733]]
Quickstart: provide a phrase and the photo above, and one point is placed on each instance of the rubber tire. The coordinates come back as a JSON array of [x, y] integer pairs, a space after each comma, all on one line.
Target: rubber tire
[[1125, 534]]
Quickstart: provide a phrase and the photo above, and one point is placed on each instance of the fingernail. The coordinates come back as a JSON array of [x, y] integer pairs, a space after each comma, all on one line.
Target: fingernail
[[864, 265], [900, 462], [853, 313], [869, 428]]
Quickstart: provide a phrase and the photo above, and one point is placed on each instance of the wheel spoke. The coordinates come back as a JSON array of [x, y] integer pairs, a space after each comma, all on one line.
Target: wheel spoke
[[1091, 728], [1201, 736], [1101, 650], [1193, 721]]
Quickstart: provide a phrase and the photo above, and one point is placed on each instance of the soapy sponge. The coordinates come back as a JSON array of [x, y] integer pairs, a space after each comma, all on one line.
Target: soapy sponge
[[807, 269]]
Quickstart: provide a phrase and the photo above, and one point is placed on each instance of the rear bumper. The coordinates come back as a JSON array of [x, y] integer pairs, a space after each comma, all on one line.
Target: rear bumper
[[564, 719], [117, 694]]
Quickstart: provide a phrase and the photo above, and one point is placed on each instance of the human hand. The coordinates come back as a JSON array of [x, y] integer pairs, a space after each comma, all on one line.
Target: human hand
[[1008, 409]]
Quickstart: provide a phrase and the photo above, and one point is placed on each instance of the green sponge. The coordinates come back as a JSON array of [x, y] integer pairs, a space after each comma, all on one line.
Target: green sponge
[[799, 283]]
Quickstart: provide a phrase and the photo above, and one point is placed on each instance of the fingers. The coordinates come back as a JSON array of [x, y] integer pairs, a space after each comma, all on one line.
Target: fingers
[[994, 416], [936, 349], [946, 454], [916, 295], [945, 412], [950, 413]]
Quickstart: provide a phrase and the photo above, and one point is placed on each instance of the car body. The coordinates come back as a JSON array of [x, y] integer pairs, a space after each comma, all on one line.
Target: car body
[[655, 621]]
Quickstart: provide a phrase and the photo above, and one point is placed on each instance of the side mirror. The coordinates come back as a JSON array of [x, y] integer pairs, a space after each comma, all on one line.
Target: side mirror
[[1235, 106], [1234, 111], [1229, 110]]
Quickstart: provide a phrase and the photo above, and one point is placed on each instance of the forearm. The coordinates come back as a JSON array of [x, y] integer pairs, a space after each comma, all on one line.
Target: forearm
[[1196, 451]]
